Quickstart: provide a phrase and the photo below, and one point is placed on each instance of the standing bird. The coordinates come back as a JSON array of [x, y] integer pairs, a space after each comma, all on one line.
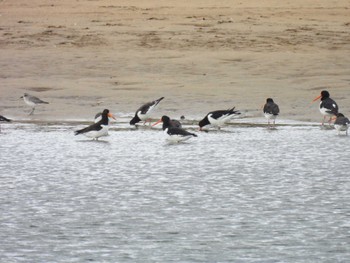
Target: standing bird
[[271, 111], [97, 129], [175, 134], [32, 101], [2, 118], [218, 118], [341, 123], [143, 113], [328, 107]]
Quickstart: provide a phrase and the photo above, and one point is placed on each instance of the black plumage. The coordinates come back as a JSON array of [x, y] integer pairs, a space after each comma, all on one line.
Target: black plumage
[[142, 113], [341, 120], [2, 118], [99, 128], [175, 131], [218, 117], [328, 104], [271, 107]]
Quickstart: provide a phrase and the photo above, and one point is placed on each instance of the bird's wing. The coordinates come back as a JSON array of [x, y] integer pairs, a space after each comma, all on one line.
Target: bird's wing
[[179, 131], [331, 105], [271, 108], [96, 126], [36, 100], [149, 106]]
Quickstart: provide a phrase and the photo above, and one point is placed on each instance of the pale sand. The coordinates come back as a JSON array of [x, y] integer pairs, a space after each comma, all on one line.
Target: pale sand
[[84, 56]]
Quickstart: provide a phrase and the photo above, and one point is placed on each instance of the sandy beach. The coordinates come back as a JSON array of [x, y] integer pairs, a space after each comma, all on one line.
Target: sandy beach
[[84, 56]]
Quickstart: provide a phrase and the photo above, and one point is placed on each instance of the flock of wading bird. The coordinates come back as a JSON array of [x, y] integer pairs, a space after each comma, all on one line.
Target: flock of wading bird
[[173, 128]]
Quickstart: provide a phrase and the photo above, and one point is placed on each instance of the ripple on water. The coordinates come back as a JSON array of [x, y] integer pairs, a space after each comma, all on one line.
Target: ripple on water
[[247, 194]]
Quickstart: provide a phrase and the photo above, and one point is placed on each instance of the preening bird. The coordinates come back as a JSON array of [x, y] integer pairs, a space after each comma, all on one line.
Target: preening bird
[[218, 118], [143, 113]]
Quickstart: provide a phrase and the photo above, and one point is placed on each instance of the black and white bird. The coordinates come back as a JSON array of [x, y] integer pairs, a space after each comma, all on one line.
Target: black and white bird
[[97, 129], [4, 119], [32, 101], [328, 107], [172, 123], [341, 123], [143, 113], [271, 111], [218, 118], [175, 134]]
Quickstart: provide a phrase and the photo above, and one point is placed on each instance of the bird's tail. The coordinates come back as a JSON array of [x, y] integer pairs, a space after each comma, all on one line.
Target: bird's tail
[[233, 111], [77, 132]]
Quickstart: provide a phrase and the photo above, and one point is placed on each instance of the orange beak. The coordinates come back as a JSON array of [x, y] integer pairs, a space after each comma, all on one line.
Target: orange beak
[[157, 123], [318, 97], [111, 116]]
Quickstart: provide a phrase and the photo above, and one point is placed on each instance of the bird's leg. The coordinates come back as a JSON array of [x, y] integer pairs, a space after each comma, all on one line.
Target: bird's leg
[[324, 118], [148, 120], [32, 111], [330, 120]]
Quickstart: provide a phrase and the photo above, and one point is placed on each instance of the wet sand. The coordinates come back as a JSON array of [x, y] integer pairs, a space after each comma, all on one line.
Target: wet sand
[[83, 56]]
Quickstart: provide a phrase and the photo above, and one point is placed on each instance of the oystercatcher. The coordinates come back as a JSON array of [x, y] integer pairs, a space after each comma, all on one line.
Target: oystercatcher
[[175, 134], [341, 123], [328, 107], [98, 129], [218, 118], [4, 119], [143, 113], [32, 101], [271, 111]]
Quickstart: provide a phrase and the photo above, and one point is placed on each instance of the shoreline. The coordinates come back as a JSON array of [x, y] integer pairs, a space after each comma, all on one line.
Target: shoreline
[[211, 55]]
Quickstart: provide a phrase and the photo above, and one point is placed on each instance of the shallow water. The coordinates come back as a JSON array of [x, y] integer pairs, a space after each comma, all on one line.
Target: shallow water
[[245, 194]]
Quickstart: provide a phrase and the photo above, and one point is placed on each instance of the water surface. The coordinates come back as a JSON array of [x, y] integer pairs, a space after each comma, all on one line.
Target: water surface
[[244, 194]]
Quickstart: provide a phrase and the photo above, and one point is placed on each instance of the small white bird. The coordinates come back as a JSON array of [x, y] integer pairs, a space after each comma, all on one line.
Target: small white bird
[[32, 101]]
